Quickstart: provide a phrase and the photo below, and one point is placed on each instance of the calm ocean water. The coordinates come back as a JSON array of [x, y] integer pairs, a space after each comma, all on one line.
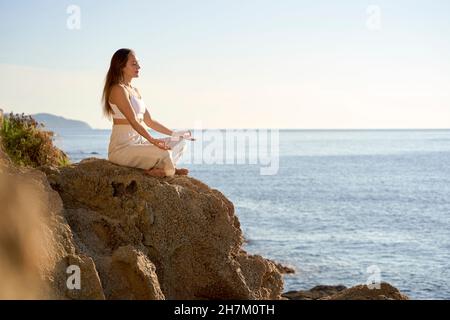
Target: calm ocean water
[[341, 202]]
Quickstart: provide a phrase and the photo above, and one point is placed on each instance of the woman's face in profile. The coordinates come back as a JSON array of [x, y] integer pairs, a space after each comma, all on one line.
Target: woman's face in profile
[[132, 68]]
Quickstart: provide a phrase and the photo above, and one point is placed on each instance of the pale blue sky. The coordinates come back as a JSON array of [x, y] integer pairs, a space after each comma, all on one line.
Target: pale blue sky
[[258, 63]]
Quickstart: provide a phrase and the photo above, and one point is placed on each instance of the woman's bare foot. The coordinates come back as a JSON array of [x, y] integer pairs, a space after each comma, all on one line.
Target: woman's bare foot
[[156, 172], [181, 171]]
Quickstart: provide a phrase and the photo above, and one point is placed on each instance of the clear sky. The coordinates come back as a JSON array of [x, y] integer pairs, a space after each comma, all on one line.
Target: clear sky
[[236, 63]]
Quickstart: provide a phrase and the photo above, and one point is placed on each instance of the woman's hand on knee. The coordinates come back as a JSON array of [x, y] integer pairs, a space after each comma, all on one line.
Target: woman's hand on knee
[[161, 143]]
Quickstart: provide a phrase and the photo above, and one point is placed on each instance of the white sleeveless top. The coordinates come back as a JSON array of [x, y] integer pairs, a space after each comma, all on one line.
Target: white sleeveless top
[[137, 104]]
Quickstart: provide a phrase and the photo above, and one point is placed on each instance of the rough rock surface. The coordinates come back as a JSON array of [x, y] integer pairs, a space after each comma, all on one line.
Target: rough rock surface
[[363, 292], [155, 238], [360, 292], [313, 294]]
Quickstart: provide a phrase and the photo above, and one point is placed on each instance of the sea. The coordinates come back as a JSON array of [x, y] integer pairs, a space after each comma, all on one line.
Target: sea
[[341, 207]]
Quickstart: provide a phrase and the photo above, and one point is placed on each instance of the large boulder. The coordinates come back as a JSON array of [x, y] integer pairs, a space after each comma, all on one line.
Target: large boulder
[[156, 238]]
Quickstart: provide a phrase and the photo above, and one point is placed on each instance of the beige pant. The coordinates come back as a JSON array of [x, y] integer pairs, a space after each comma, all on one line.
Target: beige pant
[[128, 148]]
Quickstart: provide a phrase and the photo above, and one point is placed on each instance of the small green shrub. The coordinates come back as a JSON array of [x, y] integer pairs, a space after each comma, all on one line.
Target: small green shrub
[[28, 144]]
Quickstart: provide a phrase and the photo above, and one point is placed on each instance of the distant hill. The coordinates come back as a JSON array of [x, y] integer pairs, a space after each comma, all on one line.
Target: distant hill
[[56, 122]]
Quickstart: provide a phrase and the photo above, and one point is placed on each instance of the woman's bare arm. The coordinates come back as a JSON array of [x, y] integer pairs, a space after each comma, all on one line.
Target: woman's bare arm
[[155, 125], [119, 96]]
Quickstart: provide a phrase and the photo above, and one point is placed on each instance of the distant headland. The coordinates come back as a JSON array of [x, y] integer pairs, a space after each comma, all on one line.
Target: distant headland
[[51, 122]]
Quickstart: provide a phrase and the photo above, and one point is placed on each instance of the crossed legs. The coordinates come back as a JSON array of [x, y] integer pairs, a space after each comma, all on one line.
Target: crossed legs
[[177, 149]]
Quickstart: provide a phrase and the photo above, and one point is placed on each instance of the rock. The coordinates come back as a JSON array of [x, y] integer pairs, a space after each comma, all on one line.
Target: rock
[[132, 236], [90, 285], [21, 239], [152, 238], [363, 292], [313, 294], [360, 292], [40, 233], [282, 268], [132, 276]]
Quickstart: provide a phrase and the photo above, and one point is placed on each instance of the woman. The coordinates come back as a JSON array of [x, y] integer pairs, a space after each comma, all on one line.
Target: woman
[[130, 144]]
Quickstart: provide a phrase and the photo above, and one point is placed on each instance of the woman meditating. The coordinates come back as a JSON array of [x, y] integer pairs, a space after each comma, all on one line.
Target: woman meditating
[[130, 144]]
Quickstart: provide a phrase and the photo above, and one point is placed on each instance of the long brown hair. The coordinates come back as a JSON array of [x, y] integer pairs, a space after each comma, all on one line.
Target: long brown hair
[[114, 76]]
